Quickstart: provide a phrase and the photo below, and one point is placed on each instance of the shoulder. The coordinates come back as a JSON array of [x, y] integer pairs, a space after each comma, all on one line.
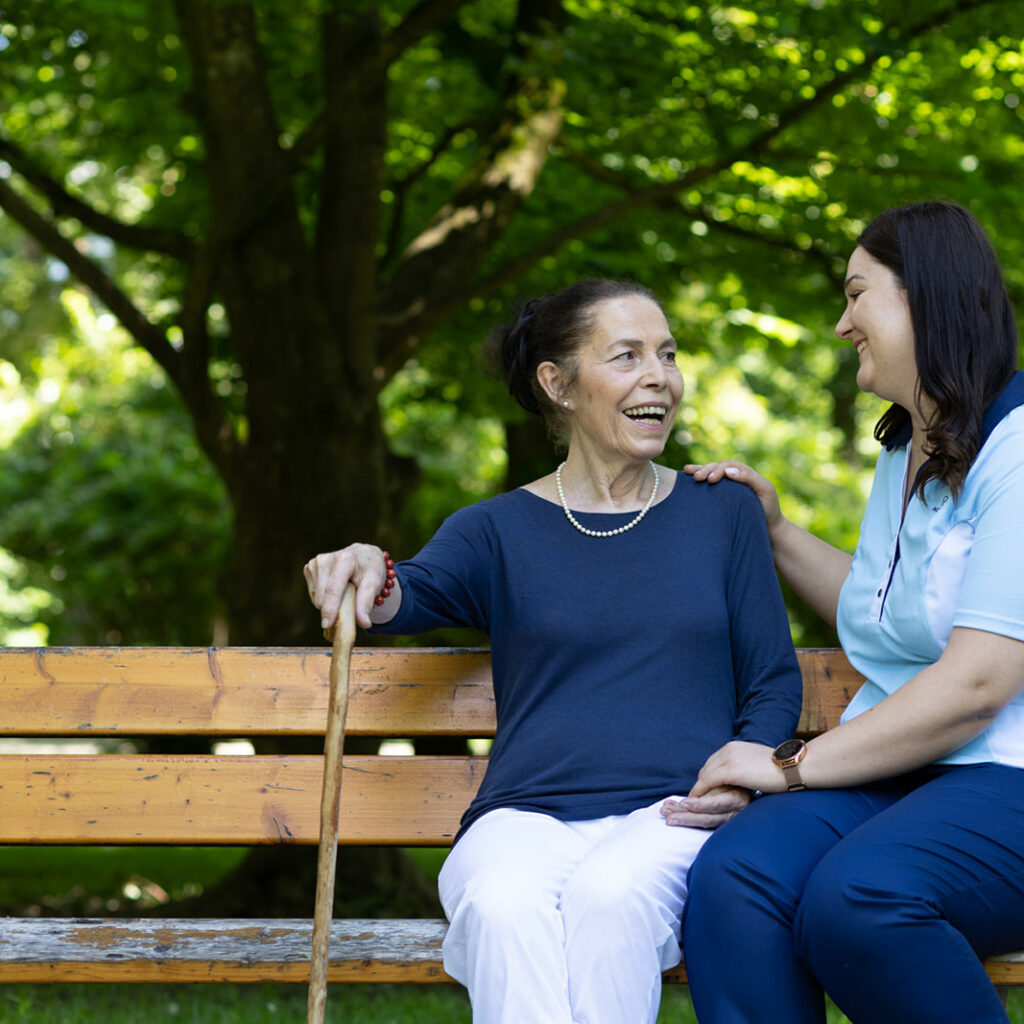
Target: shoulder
[[726, 509], [1005, 439], [1002, 453], [998, 468], [505, 508], [725, 495]]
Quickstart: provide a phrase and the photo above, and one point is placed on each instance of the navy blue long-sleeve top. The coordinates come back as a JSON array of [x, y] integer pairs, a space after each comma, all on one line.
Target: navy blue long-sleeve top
[[620, 664]]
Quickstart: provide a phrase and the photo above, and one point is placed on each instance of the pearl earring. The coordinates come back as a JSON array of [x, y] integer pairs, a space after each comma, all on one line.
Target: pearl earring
[[566, 404]]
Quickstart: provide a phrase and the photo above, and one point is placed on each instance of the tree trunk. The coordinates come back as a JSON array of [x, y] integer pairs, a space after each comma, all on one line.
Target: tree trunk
[[531, 453]]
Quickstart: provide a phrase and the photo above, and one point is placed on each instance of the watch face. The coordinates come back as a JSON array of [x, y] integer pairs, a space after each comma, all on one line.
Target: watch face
[[784, 751]]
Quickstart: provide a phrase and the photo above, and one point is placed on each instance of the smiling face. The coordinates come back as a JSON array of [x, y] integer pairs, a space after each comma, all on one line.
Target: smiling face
[[877, 323], [627, 388]]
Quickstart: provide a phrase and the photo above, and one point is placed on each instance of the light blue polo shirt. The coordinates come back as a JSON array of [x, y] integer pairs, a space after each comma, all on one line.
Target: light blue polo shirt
[[951, 563]]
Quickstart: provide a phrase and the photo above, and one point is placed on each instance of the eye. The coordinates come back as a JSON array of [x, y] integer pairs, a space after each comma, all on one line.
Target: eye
[[625, 357], [669, 356]]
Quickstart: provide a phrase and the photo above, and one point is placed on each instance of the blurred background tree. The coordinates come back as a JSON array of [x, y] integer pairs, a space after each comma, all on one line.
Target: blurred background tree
[[249, 250]]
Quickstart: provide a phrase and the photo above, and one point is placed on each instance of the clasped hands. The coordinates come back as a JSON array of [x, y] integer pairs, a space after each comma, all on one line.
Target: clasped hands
[[725, 785]]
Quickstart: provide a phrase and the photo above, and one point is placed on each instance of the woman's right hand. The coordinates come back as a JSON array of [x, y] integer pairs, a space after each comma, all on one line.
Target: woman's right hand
[[328, 575], [712, 472]]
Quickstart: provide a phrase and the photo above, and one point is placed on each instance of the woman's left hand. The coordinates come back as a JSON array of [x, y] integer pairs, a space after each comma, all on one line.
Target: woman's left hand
[[740, 763], [709, 811]]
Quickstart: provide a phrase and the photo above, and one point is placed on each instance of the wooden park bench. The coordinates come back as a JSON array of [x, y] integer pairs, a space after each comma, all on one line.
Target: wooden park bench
[[129, 799]]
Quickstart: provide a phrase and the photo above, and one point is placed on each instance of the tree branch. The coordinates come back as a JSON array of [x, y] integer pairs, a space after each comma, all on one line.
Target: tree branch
[[63, 204], [92, 275], [819, 253], [637, 197], [420, 21], [401, 187], [435, 266]]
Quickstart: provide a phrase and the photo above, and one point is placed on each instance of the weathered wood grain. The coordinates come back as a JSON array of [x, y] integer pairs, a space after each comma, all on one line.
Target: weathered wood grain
[[175, 950], [132, 799], [241, 692], [53, 691]]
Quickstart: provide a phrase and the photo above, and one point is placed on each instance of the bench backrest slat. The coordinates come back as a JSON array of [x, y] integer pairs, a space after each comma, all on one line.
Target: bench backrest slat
[[142, 799], [280, 691], [240, 692], [67, 798]]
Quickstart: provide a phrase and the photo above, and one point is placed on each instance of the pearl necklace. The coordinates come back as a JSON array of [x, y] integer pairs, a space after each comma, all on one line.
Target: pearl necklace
[[604, 533]]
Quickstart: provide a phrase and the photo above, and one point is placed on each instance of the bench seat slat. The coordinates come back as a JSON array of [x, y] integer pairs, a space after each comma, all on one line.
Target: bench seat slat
[[145, 799], [276, 950], [80, 692], [196, 950]]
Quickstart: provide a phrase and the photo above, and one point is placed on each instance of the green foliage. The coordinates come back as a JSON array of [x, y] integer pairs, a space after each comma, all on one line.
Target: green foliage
[[118, 522], [727, 155]]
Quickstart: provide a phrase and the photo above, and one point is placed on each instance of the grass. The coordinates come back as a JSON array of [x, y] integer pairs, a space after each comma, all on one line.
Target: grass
[[206, 1004], [273, 1004], [98, 880]]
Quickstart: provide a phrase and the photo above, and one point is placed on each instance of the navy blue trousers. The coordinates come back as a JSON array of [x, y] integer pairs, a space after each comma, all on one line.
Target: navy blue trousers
[[884, 896]]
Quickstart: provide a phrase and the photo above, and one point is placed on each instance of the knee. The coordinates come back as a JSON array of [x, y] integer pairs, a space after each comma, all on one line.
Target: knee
[[595, 895], [499, 902], [736, 887], [847, 907], [728, 865]]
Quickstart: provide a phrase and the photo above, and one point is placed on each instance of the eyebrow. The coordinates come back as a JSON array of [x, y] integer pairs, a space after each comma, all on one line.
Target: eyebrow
[[854, 277], [638, 342]]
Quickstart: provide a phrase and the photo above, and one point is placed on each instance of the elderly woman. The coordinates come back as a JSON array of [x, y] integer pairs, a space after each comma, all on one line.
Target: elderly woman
[[636, 626], [898, 858]]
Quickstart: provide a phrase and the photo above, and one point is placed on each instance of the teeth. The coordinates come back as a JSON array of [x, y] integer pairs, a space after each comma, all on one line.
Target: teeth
[[646, 412]]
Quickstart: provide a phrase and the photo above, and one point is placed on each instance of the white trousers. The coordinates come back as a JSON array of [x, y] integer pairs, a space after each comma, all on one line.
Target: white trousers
[[554, 922]]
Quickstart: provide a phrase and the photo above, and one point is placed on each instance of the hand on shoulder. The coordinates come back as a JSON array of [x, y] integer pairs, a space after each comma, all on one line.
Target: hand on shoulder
[[713, 472]]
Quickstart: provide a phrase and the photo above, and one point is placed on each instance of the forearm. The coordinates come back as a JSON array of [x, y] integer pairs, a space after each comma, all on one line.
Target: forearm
[[943, 707], [886, 741], [814, 569]]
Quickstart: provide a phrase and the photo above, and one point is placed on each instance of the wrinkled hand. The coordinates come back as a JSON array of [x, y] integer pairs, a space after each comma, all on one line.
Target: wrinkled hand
[[740, 763], [712, 472], [709, 811], [328, 575]]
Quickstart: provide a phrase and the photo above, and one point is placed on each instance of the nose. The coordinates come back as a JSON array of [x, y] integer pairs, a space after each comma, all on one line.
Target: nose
[[656, 372], [845, 325]]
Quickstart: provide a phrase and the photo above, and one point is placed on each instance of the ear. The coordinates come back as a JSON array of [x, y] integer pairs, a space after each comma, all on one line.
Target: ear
[[550, 377]]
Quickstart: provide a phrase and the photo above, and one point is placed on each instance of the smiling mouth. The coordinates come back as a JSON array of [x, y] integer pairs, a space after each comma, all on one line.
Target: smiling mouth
[[647, 414], [860, 346]]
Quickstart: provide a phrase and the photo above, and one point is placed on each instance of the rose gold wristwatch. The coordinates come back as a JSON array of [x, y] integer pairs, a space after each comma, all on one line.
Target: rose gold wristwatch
[[787, 756]]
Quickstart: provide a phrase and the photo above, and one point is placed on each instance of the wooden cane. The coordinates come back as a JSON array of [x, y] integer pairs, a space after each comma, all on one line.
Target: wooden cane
[[330, 807]]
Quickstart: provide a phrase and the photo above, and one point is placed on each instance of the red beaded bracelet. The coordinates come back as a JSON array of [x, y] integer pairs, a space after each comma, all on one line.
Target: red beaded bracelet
[[389, 580]]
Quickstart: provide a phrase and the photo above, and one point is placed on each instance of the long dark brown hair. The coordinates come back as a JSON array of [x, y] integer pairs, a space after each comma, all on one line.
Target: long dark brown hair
[[965, 333]]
